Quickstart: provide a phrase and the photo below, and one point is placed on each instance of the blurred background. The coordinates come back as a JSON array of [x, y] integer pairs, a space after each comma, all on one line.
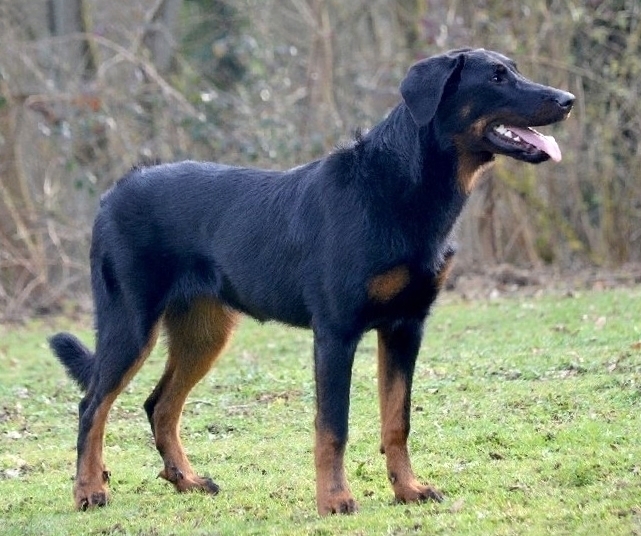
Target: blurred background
[[89, 88]]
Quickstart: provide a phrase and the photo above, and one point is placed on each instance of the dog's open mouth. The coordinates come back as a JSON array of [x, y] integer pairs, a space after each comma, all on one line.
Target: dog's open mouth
[[526, 140]]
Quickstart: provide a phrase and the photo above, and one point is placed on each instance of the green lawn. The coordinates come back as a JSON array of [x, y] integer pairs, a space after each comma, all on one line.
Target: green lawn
[[526, 413]]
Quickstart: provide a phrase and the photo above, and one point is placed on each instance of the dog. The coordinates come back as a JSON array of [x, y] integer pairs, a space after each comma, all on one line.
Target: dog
[[359, 240]]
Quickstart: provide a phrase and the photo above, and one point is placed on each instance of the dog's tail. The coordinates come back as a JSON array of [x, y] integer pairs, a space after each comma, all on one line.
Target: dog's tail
[[75, 356]]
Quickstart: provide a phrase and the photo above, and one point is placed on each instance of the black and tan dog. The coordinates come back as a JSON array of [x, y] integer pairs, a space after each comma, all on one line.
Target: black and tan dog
[[359, 240]]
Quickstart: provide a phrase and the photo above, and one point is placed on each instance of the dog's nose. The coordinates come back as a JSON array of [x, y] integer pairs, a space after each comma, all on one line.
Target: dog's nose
[[565, 99]]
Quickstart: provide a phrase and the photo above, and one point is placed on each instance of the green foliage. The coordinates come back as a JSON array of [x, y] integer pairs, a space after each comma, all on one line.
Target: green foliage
[[214, 41], [526, 413]]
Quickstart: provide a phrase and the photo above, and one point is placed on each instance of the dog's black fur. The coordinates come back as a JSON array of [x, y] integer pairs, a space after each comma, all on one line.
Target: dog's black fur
[[356, 241]]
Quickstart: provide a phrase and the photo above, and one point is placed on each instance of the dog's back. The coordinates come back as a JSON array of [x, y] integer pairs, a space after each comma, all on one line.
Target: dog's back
[[176, 231]]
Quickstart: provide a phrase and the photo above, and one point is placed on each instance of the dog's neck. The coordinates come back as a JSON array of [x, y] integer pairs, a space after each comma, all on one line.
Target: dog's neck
[[419, 174], [424, 160]]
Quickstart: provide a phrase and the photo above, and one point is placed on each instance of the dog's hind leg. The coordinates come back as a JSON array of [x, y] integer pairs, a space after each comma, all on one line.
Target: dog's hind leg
[[196, 335], [333, 359], [119, 356], [398, 347]]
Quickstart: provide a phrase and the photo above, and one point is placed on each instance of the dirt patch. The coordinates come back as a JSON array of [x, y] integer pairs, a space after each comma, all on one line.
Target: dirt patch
[[506, 280]]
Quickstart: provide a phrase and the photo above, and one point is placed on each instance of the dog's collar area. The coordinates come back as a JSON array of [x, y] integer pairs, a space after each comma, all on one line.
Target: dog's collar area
[[527, 139]]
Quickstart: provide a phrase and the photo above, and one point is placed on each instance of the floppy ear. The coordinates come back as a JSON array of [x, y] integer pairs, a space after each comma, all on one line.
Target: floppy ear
[[423, 86]]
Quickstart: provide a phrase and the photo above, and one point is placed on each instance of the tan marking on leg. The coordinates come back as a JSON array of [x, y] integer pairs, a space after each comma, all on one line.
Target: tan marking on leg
[[394, 400], [333, 495], [196, 339], [384, 287], [90, 487]]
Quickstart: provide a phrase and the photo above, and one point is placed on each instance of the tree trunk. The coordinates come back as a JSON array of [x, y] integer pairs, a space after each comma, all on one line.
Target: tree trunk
[[159, 35], [69, 18]]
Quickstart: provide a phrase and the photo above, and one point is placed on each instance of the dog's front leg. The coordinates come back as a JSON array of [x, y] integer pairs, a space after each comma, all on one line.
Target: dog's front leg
[[333, 358], [398, 347]]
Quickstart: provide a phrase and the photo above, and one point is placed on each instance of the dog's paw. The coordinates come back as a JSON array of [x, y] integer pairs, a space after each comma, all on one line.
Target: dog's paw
[[85, 497], [184, 482], [416, 492], [209, 486], [337, 503]]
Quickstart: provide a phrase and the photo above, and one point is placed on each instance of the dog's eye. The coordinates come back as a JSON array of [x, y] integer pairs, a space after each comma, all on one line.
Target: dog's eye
[[500, 74]]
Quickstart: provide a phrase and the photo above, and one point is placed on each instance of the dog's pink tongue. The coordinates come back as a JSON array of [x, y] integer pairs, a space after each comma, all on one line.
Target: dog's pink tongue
[[544, 143]]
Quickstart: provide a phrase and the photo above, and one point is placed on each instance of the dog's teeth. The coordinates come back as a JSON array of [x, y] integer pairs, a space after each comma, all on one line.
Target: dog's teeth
[[507, 133], [503, 131]]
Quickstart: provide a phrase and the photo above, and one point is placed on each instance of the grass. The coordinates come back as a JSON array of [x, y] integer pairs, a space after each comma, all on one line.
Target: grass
[[526, 413]]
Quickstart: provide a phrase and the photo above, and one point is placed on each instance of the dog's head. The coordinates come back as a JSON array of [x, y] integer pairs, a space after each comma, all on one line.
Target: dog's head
[[478, 100]]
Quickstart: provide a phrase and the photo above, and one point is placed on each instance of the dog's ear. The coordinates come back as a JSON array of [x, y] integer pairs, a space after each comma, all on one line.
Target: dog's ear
[[424, 85]]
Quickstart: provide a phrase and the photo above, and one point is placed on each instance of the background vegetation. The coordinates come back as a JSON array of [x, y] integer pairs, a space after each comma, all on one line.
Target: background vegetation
[[88, 88]]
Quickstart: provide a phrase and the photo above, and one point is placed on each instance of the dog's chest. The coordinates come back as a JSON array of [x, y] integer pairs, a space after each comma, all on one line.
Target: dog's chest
[[404, 290]]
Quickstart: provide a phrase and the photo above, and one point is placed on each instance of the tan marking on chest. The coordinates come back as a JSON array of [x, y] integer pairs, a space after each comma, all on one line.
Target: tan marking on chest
[[469, 172], [471, 165], [384, 287]]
